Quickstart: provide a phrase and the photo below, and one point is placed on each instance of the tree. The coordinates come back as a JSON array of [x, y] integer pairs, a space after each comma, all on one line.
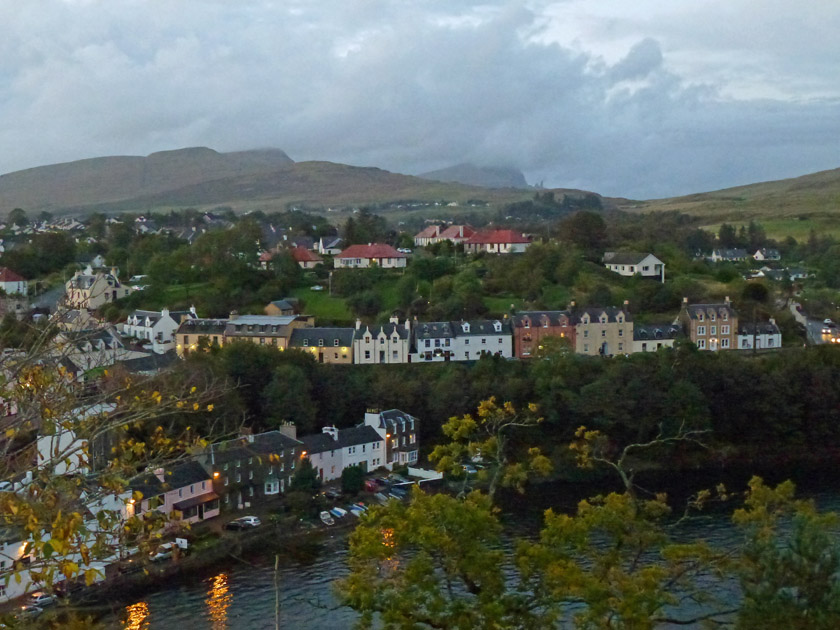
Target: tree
[[585, 229], [352, 480], [305, 478], [18, 217]]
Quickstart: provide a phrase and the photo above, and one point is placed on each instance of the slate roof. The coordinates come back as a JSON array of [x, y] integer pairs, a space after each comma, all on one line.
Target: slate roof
[[596, 312], [644, 332], [731, 254], [536, 318], [354, 436], [260, 444], [202, 326], [151, 363], [373, 250], [433, 330], [625, 258], [389, 328], [480, 327], [321, 337], [178, 476], [259, 325], [694, 310], [283, 305], [760, 328], [394, 418]]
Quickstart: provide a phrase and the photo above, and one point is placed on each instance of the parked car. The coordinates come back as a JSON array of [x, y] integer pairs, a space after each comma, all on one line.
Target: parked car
[[163, 552], [332, 493], [41, 599], [404, 250], [29, 611], [243, 522], [316, 287]]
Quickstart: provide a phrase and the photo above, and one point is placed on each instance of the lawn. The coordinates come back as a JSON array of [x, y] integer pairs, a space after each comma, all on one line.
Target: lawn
[[500, 305], [323, 306], [799, 229]]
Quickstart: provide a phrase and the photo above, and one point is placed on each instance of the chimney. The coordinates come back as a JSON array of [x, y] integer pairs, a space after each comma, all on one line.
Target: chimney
[[192, 311], [773, 320], [114, 272], [358, 323], [331, 431], [164, 312], [407, 325], [394, 320], [685, 301], [726, 300], [627, 305], [233, 315], [160, 474], [288, 429]]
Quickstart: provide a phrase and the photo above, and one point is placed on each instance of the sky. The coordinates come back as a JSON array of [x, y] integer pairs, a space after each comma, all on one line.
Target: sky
[[641, 99]]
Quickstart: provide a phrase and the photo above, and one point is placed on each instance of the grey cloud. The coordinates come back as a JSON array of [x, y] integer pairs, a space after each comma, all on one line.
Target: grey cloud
[[405, 86]]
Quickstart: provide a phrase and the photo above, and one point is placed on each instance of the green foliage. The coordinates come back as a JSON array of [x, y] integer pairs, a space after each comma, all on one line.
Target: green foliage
[[352, 480], [305, 478]]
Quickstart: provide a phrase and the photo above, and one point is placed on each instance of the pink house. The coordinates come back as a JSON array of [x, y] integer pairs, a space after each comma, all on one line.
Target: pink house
[[184, 492]]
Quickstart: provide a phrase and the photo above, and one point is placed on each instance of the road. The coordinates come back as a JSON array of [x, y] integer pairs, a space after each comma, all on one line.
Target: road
[[813, 327]]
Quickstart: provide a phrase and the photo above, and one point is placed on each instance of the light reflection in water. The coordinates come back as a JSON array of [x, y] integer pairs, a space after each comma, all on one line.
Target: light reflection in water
[[218, 601], [136, 616]]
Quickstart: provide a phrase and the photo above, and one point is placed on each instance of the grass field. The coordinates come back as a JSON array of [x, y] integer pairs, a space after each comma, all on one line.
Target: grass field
[[781, 228], [323, 305], [500, 305]]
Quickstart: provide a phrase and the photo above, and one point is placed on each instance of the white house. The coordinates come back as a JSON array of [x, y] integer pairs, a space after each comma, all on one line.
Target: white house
[[462, 341], [157, 327], [12, 283], [728, 255], [767, 254], [333, 450], [652, 337], [362, 256], [759, 336], [497, 242], [635, 264], [390, 343], [330, 245]]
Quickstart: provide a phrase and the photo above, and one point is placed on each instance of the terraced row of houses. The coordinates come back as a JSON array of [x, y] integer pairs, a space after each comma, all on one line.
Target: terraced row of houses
[[591, 331]]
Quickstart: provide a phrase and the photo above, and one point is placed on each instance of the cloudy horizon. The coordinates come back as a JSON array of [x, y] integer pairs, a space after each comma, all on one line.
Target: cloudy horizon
[[650, 100]]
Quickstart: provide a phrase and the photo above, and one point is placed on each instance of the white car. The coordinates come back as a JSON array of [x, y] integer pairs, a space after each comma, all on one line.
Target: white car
[[253, 521], [41, 599], [404, 250], [316, 287]]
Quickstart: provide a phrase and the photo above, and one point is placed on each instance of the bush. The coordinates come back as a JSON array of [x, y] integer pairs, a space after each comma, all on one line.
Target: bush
[[352, 480]]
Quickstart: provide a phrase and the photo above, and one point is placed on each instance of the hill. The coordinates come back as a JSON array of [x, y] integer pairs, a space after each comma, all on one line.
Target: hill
[[311, 184], [113, 179], [484, 176]]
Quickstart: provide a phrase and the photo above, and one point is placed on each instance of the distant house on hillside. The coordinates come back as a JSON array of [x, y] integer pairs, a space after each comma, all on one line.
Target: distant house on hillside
[[277, 308], [327, 345], [635, 264], [497, 242], [427, 236], [362, 256], [330, 245], [652, 337], [435, 234], [728, 255], [305, 258], [12, 283], [767, 254], [158, 327], [90, 290]]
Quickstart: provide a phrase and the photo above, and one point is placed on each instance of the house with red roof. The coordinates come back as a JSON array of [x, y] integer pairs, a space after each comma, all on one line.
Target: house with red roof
[[497, 242], [12, 283], [362, 256], [305, 258]]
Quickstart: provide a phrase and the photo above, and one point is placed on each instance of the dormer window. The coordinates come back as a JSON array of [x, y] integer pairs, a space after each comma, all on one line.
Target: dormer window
[[305, 343], [712, 316], [526, 323], [335, 342], [700, 317], [497, 326], [725, 316], [465, 327], [320, 342], [603, 319], [620, 319]]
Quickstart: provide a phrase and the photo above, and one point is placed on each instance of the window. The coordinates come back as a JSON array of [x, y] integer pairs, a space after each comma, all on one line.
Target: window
[[621, 347], [483, 341], [701, 330], [305, 343], [700, 317], [250, 460], [238, 463], [226, 481], [428, 343], [272, 487], [500, 340], [701, 344], [250, 491], [586, 347], [396, 354], [320, 342], [238, 477], [335, 342], [382, 341], [367, 354], [603, 333], [250, 474], [724, 330], [585, 334], [526, 323], [363, 448], [724, 343], [225, 466], [620, 332], [769, 342], [202, 484], [712, 330], [437, 343], [712, 316], [466, 342]]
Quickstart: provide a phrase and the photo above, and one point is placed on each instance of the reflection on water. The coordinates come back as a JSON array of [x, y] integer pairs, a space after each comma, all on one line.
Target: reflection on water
[[218, 601], [136, 616]]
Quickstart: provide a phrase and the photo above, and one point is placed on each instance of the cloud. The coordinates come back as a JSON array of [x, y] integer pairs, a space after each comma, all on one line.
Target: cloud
[[414, 86]]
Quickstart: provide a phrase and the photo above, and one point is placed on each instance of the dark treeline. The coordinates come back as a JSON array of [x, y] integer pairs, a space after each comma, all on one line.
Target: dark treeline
[[775, 403]]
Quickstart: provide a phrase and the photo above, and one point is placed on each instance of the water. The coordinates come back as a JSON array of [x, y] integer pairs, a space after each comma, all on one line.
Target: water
[[242, 593]]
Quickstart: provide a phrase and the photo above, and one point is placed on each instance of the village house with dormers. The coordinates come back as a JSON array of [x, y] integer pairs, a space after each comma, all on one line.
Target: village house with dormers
[[531, 328], [652, 337], [325, 345], [199, 333], [435, 234], [462, 341], [710, 326], [264, 330], [727, 255], [330, 245], [372, 254], [388, 343], [90, 290], [497, 242], [401, 434], [333, 450], [157, 327], [631, 264], [603, 331]]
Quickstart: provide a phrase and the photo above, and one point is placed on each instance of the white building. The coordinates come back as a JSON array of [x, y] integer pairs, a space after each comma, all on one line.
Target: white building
[[390, 343], [635, 264], [363, 256], [12, 283], [333, 450], [652, 337], [759, 336], [462, 341], [158, 327]]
